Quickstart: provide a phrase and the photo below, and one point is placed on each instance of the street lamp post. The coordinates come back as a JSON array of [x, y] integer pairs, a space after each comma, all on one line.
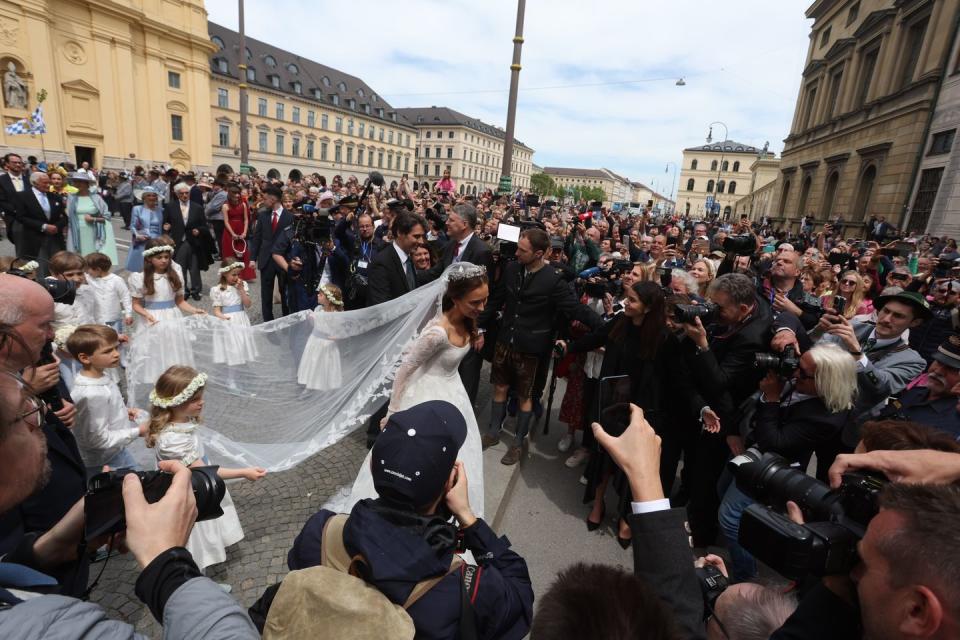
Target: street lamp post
[[506, 171], [673, 183], [726, 136], [244, 142]]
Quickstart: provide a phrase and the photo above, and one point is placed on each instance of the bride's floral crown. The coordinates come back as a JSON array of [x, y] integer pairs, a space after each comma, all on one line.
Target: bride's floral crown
[[164, 248], [177, 400]]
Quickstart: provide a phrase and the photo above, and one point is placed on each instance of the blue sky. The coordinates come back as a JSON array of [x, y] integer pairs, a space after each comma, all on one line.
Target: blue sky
[[741, 61]]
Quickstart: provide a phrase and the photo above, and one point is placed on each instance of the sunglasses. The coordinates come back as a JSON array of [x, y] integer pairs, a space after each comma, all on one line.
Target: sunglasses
[[851, 283], [898, 276]]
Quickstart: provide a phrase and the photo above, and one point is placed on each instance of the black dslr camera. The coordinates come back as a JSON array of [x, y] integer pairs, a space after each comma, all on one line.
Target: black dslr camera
[[666, 276], [742, 245], [784, 364], [712, 584], [835, 520], [103, 504], [688, 313]]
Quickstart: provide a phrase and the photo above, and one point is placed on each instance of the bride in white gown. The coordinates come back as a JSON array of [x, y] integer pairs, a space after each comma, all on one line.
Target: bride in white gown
[[428, 371]]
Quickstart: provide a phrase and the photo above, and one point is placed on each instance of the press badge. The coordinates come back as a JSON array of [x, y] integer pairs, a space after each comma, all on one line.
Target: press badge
[[362, 264]]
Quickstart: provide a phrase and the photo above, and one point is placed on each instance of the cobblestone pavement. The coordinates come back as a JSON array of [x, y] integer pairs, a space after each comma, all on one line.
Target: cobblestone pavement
[[272, 511]]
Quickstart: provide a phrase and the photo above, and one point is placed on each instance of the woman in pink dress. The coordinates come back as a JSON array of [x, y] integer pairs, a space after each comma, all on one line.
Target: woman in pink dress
[[236, 217]]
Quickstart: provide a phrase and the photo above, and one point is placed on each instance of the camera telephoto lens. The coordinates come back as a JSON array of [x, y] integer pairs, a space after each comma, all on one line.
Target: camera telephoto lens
[[771, 480]]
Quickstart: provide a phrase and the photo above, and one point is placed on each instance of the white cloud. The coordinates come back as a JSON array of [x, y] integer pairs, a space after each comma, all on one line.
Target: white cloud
[[741, 60]]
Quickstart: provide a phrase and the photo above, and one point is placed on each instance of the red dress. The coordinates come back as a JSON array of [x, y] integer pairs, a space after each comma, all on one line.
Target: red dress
[[235, 221]]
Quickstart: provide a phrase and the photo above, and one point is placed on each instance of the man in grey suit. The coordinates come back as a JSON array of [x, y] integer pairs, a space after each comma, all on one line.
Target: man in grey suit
[[214, 211], [885, 361]]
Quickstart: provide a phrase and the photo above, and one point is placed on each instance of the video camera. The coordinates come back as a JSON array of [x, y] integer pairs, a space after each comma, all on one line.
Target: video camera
[[836, 520], [103, 504], [784, 364], [313, 226]]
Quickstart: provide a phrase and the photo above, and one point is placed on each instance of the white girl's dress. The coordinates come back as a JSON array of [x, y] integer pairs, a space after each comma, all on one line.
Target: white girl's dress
[[210, 538], [319, 368], [233, 340], [162, 345], [428, 371]]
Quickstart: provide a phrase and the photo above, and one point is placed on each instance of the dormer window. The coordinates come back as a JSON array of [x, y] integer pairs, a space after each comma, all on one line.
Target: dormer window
[[251, 74], [335, 99], [326, 81], [275, 81], [352, 103], [341, 86], [297, 87], [366, 109], [380, 111], [217, 40], [270, 61], [318, 94], [292, 68], [360, 92], [222, 65]]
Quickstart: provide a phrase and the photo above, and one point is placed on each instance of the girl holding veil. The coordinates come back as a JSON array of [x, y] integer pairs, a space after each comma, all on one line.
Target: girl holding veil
[[428, 371]]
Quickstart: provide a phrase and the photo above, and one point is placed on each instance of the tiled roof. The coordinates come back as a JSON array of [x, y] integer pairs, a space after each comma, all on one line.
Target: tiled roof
[[318, 82], [440, 116]]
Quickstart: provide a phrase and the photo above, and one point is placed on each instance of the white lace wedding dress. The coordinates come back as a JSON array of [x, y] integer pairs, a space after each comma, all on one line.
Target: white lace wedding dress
[[428, 371]]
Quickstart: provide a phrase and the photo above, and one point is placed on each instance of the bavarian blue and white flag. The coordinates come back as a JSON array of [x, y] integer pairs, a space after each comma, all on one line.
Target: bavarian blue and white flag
[[34, 124]]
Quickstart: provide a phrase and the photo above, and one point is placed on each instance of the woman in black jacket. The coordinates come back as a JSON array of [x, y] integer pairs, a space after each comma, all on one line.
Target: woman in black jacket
[[638, 344]]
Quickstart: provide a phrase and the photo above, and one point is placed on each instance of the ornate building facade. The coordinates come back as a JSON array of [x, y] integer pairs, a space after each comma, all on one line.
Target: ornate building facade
[[873, 71], [715, 176]]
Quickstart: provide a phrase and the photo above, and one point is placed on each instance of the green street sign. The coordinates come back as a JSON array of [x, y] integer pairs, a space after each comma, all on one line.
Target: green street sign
[[246, 169], [506, 185]]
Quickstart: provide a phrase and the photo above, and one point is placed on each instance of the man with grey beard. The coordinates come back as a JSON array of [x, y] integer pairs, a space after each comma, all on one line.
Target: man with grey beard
[[934, 403]]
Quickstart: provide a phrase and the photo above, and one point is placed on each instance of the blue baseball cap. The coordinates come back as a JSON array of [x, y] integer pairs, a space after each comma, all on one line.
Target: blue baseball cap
[[413, 455]]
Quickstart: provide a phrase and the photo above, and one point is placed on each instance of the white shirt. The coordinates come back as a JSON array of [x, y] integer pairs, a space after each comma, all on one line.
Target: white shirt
[[102, 428], [403, 256], [463, 245], [185, 210], [112, 300], [18, 181], [82, 311], [43, 200]]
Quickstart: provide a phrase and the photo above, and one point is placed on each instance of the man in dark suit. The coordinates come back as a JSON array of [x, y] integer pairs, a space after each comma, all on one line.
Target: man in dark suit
[[464, 246], [722, 362], [361, 248], [392, 274], [271, 220], [530, 294], [40, 218], [13, 179], [185, 222]]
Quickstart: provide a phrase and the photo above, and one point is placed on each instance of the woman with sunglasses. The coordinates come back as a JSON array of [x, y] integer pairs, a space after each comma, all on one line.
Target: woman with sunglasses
[[853, 290]]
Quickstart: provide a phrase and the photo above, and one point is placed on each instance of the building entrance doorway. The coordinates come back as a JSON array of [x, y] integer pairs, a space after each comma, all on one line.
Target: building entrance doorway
[[85, 154]]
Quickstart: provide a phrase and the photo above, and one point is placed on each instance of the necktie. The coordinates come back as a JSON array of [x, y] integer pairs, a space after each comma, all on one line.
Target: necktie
[[411, 275], [276, 220], [44, 203], [870, 345], [456, 252]]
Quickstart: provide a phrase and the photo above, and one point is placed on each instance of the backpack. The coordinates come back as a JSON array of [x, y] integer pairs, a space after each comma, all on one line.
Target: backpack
[[332, 601]]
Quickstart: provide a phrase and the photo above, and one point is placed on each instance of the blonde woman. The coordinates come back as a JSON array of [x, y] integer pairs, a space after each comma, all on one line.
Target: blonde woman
[[703, 271], [852, 287]]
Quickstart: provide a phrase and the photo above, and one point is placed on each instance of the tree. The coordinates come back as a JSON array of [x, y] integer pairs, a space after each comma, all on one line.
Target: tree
[[542, 184]]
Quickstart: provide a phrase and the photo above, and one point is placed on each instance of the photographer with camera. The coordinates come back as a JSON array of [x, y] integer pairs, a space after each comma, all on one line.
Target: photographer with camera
[[803, 407], [361, 248], [722, 362], [187, 604], [943, 321], [309, 257], [699, 601]]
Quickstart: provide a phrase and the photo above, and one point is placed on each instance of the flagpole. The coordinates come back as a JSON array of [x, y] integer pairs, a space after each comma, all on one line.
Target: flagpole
[[41, 96]]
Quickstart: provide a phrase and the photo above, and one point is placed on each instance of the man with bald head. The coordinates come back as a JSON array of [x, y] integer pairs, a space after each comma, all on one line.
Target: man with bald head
[[26, 314], [783, 290]]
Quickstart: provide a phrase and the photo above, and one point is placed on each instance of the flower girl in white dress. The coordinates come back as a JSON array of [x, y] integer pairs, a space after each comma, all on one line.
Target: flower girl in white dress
[[177, 401], [159, 339], [233, 341], [319, 368], [428, 371]]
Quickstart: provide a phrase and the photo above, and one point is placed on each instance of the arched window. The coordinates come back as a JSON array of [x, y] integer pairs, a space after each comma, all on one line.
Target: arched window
[[830, 195], [784, 196], [713, 166], [733, 187], [217, 40], [224, 168], [736, 166], [867, 180], [726, 212], [292, 68], [804, 194], [690, 184], [726, 165], [720, 186], [273, 174], [710, 186], [693, 165], [270, 61]]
